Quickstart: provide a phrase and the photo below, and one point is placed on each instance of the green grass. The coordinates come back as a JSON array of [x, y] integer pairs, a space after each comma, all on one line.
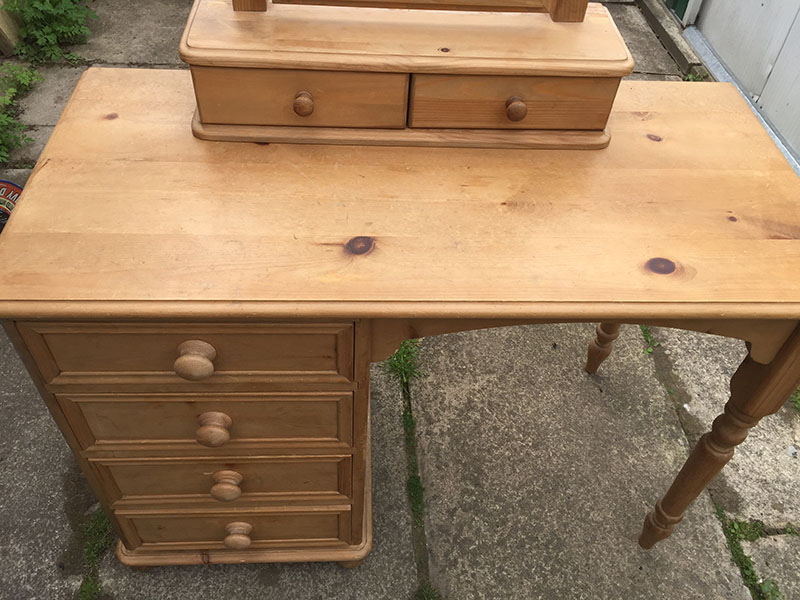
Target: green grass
[[427, 592], [403, 364], [15, 81], [796, 400], [649, 339], [98, 538], [737, 532]]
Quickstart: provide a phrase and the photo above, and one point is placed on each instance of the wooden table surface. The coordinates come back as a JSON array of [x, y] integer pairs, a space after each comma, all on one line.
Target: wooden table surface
[[691, 212]]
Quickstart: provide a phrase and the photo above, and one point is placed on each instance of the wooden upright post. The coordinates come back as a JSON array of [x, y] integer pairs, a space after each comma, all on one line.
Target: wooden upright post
[[250, 5], [570, 11]]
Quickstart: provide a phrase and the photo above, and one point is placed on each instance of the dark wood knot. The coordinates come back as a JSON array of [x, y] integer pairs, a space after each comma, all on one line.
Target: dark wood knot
[[361, 244], [660, 266]]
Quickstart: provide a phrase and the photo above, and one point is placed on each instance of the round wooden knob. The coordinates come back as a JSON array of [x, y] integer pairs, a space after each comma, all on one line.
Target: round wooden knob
[[195, 360], [516, 109], [238, 537], [303, 104], [213, 431], [226, 486]]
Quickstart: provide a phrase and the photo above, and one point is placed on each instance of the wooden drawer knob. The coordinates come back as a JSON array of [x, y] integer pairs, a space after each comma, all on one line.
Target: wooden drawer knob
[[226, 486], [303, 104], [195, 360], [516, 109], [213, 431], [238, 537]]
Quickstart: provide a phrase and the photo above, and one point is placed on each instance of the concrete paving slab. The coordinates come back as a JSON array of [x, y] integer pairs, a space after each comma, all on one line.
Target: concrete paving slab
[[648, 53], [762, 481], [145, 32], [18, 176], [44, 106], [389, 572], [777, 558], [538, 475], [653, 77], [26, 157], [44, 495]]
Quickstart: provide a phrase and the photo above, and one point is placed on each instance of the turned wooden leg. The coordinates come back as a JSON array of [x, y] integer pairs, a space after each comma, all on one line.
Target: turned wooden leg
[[600, 347], [351, 564], [756, 391]]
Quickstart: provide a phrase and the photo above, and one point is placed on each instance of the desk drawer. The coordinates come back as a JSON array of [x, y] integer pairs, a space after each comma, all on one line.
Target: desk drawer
[[232, 481], [190, 355], [483, 102], [238, 530], [127, 422], [241, 96]]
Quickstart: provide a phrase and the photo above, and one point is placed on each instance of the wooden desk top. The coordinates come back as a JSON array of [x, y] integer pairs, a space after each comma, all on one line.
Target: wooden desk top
[[690, 213]]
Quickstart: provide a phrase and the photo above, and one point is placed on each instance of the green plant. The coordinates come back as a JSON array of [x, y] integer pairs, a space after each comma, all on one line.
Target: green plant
[[403, 363], [98, 539], [47, 25], [649, 338], [735, 533], [769, 590], [15, 80], [796, 399], [427, 592], [695, 77]]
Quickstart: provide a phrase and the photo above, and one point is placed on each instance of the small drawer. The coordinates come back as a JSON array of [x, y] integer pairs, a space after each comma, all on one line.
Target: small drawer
[[496, 102], [236, 530], [127, 422], [221, 483], [190, 355], [242, 96]]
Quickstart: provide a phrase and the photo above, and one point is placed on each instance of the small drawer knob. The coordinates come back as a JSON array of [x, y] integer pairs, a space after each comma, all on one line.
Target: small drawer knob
[[303, 104], [238, 537], [516, 110], [226, 486], [195, 360], [213, 431]]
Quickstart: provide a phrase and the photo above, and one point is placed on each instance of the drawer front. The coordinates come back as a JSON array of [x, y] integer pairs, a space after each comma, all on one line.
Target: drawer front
[[215, 531], [103, 422], [221, 483], [493, 102], [128, 353], [240, 96]]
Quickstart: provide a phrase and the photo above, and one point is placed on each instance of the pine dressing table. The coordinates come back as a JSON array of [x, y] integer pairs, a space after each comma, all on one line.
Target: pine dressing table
[[200, 316]]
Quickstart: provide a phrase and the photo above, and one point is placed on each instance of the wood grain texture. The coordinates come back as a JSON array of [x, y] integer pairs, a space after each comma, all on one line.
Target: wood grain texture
[[252, 5], [756, 392], [404, 41], [429, 138], [145, 353], [103, 422], [502, 5], [572, 11], [267, 97], [298, 242], [264, 480], [472, 101]]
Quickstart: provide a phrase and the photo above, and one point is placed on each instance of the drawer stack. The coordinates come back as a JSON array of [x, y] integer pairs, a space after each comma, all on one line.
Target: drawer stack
[[216, 442], [404, 75]]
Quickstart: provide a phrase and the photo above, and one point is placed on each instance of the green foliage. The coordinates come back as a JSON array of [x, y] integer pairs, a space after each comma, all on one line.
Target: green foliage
[[792, 530], [403, 363], [416, 498], [735, 533], [47, 25], [796, 400], [15, 80], [695, 77], [649, 338], [769, 590], [98, 539], [427, 592], [90, 588]]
